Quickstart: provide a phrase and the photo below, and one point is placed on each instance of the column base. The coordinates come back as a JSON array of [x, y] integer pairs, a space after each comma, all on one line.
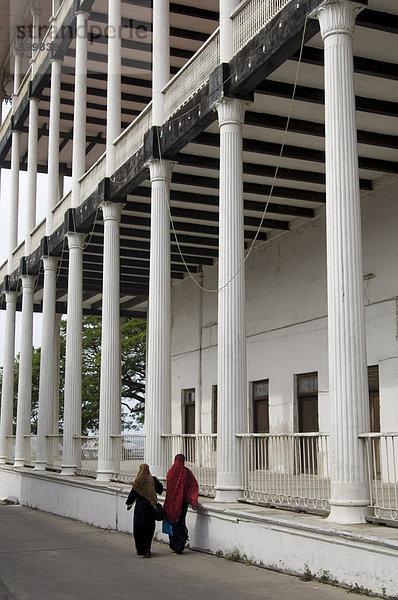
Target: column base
[[68, 470], [228, 494], [104, 475], [3, 460], [40, 466], [347, 514], [19, 462]]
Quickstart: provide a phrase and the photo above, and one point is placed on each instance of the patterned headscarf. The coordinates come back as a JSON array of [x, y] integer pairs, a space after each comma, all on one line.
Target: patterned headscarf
[[181, 486], [144, 485]]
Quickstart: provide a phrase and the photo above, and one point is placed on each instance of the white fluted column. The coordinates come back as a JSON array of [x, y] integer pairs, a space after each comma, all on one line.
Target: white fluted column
[[232, 384], [7, 390], [226, 30], [73, 357], [15, 158], [56, 363], [79, 122], [346, 329], [24, 406], [110, 389], [158, 383], [46, 381], [53, 142], [113, 97], [32, 171], [160, 58]]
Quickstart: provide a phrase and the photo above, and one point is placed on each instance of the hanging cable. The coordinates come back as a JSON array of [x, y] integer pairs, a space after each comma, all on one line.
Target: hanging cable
[[210, 290]]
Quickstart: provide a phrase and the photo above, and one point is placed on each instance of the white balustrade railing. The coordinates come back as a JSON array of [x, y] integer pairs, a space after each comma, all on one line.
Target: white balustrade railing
[[90, 180], [60, 209], [88, 455], [192, 76], [18, 253], [128, 455], [251, 16], [382, 463], [289, 470], [37, 234], [200, 453], [132, 138], [54, 443]]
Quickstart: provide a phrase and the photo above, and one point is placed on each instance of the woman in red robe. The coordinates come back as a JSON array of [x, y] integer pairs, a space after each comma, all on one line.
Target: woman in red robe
[[181, 490]]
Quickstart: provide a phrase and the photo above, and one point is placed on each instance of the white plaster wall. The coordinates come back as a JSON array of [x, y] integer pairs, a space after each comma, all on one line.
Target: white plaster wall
[[286, 316]]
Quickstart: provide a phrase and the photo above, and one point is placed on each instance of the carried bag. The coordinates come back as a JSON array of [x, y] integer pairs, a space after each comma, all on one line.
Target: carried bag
[[167, 527], [159, 513]]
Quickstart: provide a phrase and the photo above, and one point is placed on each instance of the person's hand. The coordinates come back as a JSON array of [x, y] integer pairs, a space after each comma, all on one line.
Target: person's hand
[[129, 506]]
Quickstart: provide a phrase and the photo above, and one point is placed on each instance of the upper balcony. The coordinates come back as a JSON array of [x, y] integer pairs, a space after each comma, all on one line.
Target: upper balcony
[[278, 64]]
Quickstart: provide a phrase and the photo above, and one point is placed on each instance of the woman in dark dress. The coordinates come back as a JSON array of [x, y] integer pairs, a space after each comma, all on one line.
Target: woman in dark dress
[[181, 489], [143, 493]]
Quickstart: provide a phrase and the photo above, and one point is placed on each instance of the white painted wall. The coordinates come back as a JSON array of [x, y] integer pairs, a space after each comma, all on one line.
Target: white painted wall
[[287, 317]]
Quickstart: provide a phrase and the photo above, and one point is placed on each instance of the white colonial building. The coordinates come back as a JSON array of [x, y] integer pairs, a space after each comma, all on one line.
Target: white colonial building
[[233, 179]]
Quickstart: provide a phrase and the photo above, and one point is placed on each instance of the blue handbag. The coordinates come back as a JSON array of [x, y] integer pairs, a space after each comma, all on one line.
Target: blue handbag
[[167, 527]]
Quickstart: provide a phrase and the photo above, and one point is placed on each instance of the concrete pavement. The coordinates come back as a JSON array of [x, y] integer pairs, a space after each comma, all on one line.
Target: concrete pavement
[[46, 557]]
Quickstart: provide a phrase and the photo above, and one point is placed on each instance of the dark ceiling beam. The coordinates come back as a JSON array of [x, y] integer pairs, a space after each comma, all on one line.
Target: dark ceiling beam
[[129, 264], [94, 106], [130, 244], [262, 170], [126, 62], [307, 94], [187, 34], [141, 46], [133, 302], [145, 255], [200, 215], [211, 200], [298, 153], [66, 138], [179, 9], [100, 93], [381, 21], [251, 188], [193, 235], [362, 66], [316, 129]]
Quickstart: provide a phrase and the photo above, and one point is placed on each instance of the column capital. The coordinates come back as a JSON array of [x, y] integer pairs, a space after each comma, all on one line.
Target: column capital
[[231, 110], [50, 263], [337, 16], [28, 282], [82, 12], [75, 240], [160, 170], [11, 297], [111, 211]]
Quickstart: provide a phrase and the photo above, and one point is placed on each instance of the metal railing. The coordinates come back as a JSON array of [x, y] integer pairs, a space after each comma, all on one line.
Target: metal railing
[[128, 453], [88, 455], [54, 443], [200, 453], [288, 470], [251, 16], [192, 76], [382, 464]]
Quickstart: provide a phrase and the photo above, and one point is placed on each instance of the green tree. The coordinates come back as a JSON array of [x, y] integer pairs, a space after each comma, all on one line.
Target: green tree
[[133, 332]]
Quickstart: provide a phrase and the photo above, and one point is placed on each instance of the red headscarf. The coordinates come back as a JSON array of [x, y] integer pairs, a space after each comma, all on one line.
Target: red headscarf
[[181, 486]]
